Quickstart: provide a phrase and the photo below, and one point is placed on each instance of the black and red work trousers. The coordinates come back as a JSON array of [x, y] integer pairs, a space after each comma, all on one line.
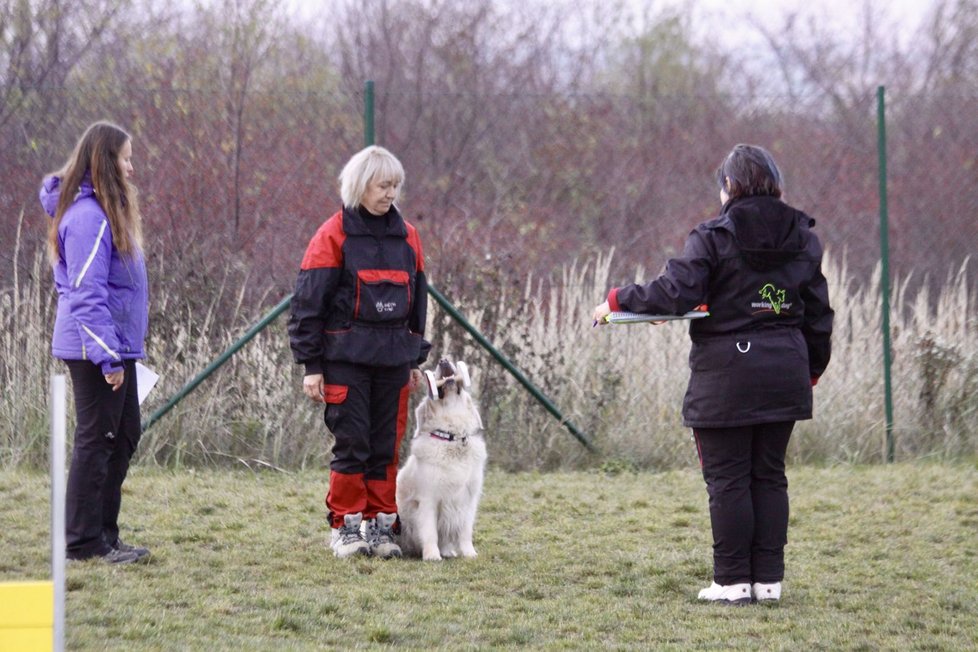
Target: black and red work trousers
[[107, 431], [744, 470], [367, 410]]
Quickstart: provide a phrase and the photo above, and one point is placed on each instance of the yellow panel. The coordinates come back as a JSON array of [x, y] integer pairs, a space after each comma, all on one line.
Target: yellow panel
[[35, 639], [26, 604]]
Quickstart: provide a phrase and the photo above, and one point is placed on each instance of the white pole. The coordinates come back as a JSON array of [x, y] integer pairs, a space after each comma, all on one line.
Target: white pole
[[58, 427]]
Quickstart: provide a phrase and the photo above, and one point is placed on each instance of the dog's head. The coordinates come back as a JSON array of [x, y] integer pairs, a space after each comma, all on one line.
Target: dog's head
[[448, 397], [447, 379]]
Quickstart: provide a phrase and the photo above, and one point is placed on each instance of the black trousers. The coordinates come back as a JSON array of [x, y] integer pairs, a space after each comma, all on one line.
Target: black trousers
[[107, 431], [745, 479], [367, 413]]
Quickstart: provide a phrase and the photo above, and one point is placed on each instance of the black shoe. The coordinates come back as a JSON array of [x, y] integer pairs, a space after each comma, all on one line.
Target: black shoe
[[113, 556], [118, 556], [139, 551]]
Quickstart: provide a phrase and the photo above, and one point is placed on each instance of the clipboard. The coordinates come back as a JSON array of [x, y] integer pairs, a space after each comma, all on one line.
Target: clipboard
[[623, 317]]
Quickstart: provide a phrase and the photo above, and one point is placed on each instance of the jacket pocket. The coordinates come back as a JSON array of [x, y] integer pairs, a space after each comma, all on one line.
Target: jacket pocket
[[335, 394], [712, 353], [382, 295]]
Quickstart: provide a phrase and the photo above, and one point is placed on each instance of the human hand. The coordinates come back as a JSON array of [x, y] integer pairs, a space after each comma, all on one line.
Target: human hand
[[312, 386], [600, 312], [115, 379], [414, 382]]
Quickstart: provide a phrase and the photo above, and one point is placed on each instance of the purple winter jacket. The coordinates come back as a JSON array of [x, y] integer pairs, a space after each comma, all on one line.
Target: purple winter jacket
[[103, 298]]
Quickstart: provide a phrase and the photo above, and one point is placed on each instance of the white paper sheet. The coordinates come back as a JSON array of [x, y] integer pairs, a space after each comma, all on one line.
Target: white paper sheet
[[145, 380]]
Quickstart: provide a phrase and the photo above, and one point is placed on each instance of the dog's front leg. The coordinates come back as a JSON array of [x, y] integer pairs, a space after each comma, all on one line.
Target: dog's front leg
[[465, 542], [468, 523], [427, 524]]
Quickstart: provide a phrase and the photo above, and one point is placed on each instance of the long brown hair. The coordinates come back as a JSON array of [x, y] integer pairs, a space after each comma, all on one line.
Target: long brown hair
[[97, 154]]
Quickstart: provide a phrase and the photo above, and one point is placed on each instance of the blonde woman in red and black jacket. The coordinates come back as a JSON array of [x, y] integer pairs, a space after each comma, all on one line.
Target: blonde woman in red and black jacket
[[753, 361], [357, 325]]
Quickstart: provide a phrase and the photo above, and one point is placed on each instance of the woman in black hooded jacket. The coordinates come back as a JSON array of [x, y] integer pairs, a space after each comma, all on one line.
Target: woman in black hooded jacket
[[753, 361]]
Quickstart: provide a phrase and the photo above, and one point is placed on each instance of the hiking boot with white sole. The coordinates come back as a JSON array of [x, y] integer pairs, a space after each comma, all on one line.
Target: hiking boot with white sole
[[347, 540], [735, 594], [764, 592], [382, 535]]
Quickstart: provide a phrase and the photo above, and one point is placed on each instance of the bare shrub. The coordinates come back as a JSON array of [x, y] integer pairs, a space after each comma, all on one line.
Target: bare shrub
[[532, 135]]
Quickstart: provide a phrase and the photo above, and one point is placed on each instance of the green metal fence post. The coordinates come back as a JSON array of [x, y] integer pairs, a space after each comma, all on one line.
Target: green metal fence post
[[487, 345], [885, 272], [220, 360], [368, 113]]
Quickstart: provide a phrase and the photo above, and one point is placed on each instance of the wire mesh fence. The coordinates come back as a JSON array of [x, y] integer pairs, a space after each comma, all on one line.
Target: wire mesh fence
[[520, 198]]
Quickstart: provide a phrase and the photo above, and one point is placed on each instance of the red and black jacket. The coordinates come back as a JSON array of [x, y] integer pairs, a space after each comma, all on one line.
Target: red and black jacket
[[361, 294]]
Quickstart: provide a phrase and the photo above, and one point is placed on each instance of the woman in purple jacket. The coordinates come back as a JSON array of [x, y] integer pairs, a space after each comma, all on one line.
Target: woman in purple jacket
[[95, 244], [753, 361]]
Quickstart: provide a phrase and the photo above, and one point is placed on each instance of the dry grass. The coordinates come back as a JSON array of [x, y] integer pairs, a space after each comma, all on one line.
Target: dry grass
[[621, 385], [27, 311], [624, 384]]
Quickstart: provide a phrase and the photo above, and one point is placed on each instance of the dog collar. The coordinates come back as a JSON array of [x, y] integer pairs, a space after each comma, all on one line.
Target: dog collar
[[447, 436]]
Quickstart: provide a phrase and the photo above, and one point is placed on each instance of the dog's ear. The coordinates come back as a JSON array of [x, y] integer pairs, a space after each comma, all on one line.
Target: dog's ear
[[421, 413], [462, 375]]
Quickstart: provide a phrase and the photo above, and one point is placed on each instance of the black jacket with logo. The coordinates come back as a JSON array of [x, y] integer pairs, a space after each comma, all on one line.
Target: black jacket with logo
[[768, 337], [361, 294]]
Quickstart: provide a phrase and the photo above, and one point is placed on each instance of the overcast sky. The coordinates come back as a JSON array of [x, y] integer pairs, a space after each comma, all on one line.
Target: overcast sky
[[843, 15], [735, 18]]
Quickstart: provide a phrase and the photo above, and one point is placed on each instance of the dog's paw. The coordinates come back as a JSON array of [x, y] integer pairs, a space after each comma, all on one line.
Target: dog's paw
[[469, 552], [431, 553]]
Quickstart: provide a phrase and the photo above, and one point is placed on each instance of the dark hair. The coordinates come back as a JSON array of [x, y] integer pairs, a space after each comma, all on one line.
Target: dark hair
[[749, 170], [96, 154]]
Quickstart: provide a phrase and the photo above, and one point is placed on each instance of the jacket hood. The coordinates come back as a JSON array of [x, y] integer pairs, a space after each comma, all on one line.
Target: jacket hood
[[768, 231], [50, 192]]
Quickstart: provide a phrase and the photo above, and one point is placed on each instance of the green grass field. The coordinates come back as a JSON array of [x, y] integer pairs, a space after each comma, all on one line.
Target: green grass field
[[879, 558]]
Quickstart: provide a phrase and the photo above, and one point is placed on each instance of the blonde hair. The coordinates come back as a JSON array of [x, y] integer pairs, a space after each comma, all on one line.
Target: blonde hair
[[97, 153], [373, 162]]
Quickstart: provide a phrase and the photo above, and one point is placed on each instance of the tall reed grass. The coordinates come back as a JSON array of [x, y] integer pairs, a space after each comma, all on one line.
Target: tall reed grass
[[621, 385], [250, 411], [27, 309], [624, 384]]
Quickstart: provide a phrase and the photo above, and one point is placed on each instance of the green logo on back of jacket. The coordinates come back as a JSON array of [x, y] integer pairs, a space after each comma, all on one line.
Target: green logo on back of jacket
[[774, 299]]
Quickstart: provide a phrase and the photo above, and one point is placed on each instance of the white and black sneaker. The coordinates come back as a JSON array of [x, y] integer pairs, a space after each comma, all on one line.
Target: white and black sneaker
[[734, 594], [765, 592], [347, 540], [382, 534]]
